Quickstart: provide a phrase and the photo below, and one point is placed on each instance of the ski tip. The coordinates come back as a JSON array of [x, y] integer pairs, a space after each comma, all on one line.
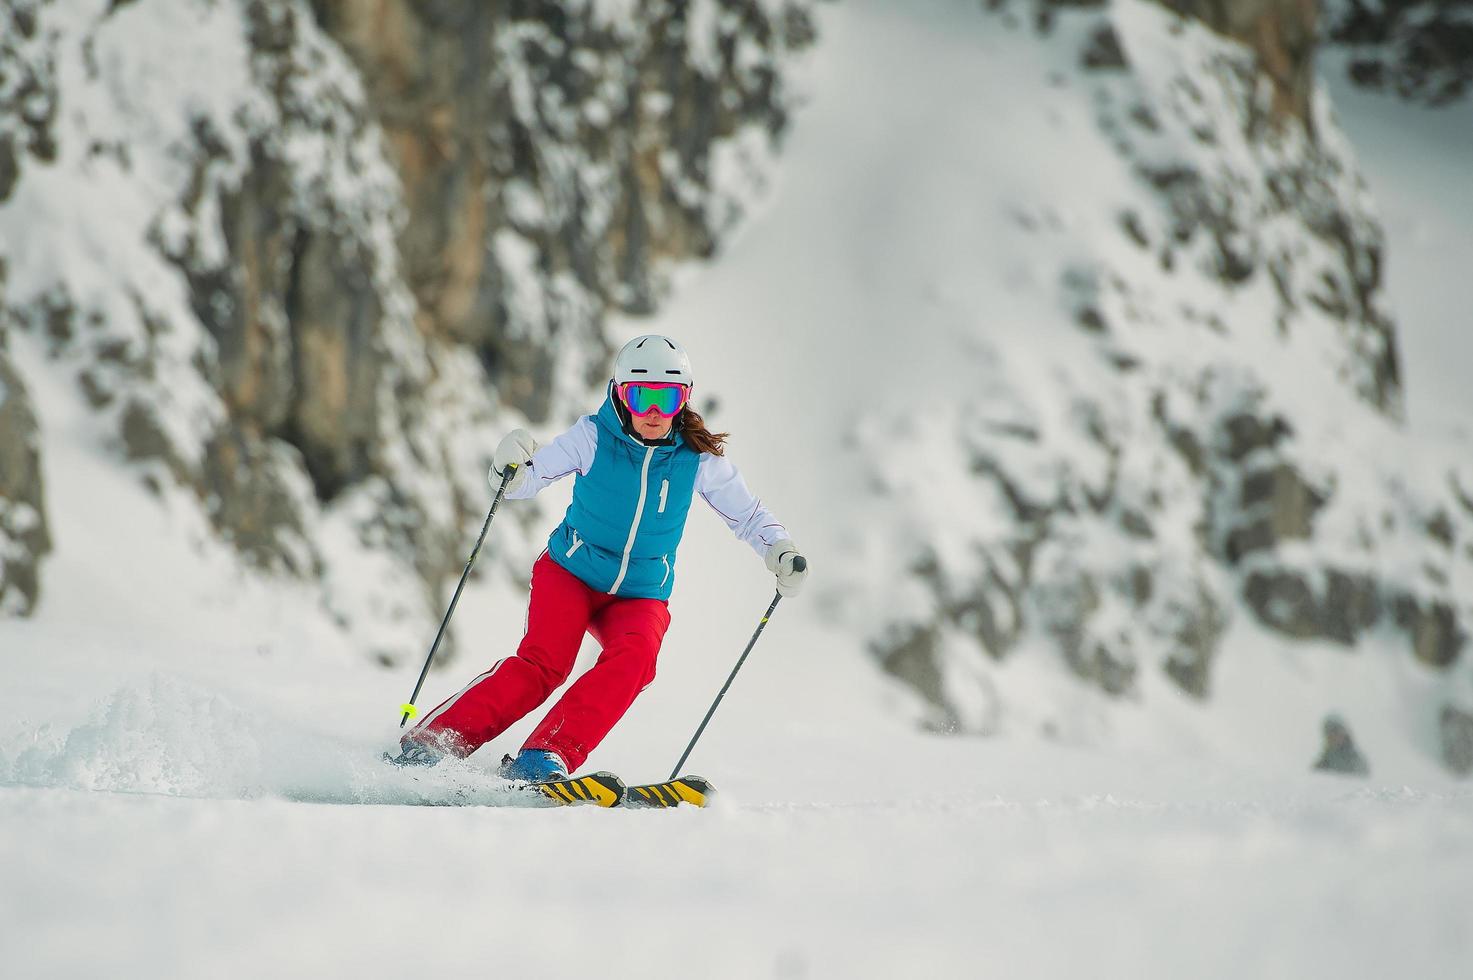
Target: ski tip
[[694, 790], [599, 789], [612, 786], [701, 785]]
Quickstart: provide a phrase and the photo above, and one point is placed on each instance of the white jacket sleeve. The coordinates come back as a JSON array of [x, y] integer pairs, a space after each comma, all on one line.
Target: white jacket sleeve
[[721, 486], [571, 452]]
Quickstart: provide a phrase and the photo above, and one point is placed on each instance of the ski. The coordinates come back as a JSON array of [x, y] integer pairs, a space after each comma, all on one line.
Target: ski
[[597, 788], [605, 789], [671, 793]]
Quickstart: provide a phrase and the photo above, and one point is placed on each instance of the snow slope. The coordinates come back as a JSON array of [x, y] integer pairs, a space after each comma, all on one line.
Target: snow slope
[[177, 741]]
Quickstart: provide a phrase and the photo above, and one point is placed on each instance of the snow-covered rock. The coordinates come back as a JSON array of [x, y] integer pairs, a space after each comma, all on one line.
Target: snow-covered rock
[[1211, 428], [301, 261], [24, 537], [1422, 50]]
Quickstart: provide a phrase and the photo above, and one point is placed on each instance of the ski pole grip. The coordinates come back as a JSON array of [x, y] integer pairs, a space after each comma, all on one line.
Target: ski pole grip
[[800, 564]]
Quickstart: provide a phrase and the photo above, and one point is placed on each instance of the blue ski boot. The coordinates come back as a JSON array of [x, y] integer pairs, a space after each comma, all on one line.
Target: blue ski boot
[[533, 766]]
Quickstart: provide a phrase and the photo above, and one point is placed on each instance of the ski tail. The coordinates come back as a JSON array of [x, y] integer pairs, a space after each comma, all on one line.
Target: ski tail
[[596, 789], [671, 793]]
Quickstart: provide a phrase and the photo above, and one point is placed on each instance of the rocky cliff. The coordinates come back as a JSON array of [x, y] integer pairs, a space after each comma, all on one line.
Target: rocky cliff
[[1218, 450], [1420, 49], [301, 259]]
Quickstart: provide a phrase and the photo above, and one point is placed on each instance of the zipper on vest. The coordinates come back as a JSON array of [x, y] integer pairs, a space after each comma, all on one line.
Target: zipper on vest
[[644, 474], [666, 560], [664, 492], [577, 543]]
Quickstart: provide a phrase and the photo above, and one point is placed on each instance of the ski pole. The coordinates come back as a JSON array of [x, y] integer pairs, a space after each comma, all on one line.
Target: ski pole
[[408, 706], [799, 564]]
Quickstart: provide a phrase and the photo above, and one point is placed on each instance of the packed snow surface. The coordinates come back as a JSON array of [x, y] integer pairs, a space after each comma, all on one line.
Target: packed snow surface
[[189, 783], [192, 823]]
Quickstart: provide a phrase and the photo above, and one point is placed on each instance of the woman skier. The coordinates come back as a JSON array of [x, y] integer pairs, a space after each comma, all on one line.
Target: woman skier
[[608, 568]]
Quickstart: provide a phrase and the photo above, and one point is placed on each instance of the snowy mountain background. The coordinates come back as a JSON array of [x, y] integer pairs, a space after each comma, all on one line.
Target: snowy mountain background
[[1103, 357]]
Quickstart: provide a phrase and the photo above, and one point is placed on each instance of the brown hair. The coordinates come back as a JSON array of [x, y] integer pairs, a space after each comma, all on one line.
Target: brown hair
[[693, 428]]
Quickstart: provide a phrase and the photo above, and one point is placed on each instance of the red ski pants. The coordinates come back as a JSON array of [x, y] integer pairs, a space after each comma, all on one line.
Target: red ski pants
[[562, 608]]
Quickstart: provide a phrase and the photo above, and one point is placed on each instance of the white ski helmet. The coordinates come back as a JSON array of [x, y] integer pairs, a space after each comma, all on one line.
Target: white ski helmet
[[652, 358]]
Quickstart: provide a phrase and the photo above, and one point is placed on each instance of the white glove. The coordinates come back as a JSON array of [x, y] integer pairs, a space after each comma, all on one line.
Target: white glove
[[516, 448], [782, 556]]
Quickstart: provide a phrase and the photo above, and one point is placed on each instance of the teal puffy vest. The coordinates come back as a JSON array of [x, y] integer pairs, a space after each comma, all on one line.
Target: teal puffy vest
[[621, 531]]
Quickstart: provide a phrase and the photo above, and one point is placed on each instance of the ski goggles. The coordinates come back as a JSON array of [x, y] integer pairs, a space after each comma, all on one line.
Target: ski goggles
[[665, 397]]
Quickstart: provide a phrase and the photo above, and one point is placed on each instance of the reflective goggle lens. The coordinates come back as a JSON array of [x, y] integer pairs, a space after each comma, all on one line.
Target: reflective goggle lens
[[666, 399]]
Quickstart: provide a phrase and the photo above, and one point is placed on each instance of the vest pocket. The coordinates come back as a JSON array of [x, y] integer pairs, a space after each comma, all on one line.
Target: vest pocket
[[664, 492], [577, 543], [666, 560]]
